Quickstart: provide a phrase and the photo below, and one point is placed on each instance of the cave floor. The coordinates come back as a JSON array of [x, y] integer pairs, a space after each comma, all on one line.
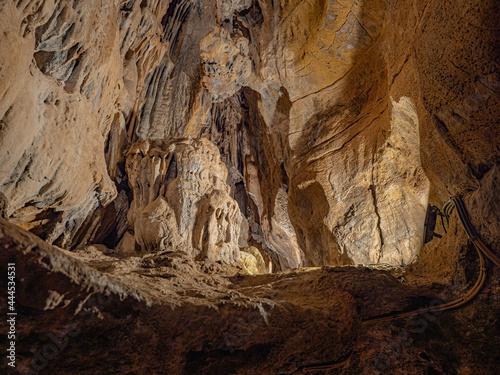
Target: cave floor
[[94, 312]]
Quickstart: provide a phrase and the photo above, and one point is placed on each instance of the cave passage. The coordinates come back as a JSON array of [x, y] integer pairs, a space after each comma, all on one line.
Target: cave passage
[[250, 186]]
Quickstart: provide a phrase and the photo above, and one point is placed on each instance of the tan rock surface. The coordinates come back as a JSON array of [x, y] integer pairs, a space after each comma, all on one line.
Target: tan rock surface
[[319, 132], [316, 98], [180, 199], [62, 92]]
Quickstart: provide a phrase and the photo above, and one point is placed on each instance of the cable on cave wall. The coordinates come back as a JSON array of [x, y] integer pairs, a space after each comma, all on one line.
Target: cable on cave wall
[[481, 248]]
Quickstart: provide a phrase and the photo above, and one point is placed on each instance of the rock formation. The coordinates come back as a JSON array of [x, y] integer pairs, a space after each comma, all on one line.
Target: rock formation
[[330, 104], [167, 314], [159, 152], [181, 201]]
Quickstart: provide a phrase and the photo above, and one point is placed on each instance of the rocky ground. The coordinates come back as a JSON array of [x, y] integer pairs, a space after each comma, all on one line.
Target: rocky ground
[[95, 312]]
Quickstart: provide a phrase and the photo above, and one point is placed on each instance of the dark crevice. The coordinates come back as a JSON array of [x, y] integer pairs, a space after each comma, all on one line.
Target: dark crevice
[[171, 173]]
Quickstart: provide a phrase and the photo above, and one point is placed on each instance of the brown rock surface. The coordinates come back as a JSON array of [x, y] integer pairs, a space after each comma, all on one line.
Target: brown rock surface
[[62, 92], [179, 145], [180, 199], [85, 310], [338, 104]]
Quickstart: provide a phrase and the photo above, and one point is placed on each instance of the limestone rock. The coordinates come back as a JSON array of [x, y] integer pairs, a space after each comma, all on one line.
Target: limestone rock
[[195, 144], [217, 228], [181, 201], [226, 62], [252, 261], [156, 228], [227, 8], [212, 322], [352, 109], [62, 91]]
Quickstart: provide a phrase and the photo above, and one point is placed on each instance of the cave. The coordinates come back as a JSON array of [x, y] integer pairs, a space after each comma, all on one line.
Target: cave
[[254, 187]]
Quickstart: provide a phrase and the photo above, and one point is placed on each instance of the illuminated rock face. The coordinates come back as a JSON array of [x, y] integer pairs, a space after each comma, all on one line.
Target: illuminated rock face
[[180, 199], [336, 121], [71, 73], [175, 146]]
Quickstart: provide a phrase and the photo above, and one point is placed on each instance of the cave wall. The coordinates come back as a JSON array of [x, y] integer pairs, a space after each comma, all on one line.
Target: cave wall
[[337, 121], [66, 92]]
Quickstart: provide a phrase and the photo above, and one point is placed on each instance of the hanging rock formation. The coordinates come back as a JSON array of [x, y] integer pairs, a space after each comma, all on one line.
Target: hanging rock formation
[[181, 201], [322, 113], [159, 152]]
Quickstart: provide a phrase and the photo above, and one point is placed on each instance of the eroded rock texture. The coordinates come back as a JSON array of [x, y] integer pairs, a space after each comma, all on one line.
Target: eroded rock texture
[[181, 201], [67, 80], [336, 119], [174, 144], [168, 314]]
